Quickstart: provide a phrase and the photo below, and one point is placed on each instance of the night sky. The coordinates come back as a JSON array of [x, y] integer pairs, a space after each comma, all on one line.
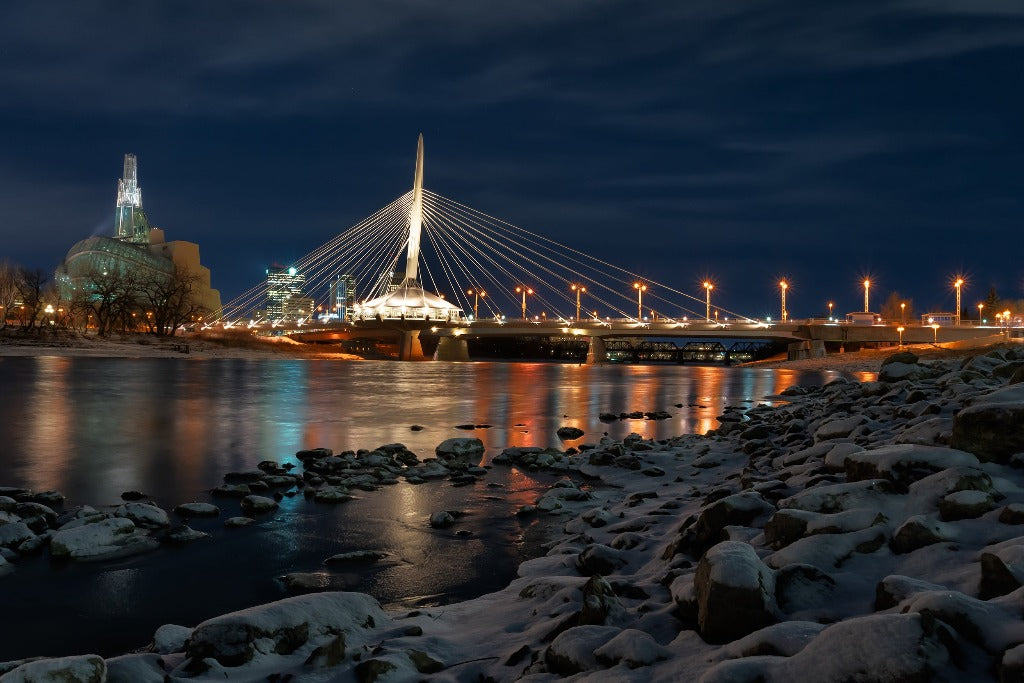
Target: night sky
[[742, 140]]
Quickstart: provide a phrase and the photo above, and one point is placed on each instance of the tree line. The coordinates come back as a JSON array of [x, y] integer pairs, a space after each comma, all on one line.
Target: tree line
[[106, 302]]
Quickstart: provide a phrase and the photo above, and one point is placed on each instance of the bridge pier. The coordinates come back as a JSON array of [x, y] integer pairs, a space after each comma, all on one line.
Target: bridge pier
[[452, 349], [597, 353], [409, 347]]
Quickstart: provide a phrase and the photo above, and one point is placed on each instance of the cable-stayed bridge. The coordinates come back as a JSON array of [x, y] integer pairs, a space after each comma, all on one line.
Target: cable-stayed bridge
[[467, 273]]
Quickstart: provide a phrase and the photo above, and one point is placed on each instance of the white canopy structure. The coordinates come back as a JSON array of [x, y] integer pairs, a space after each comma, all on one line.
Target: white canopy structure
[[408, 302]]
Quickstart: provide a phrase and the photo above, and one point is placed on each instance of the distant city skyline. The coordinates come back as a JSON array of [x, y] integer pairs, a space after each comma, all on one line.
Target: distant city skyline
[[745, 145]]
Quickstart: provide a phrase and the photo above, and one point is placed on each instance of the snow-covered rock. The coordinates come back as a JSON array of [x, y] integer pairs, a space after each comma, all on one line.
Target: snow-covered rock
[[735, 592], [283, 627], [143, 515], [79, 669], [103, 540]]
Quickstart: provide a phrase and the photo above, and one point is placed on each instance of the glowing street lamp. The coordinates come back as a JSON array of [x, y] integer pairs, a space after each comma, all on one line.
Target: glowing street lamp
[[830, 305], [900, 330], [579, 289], [903, 313], [476, 293], [867, 288], [640, 289], [708, 286], [981, 307], [783, 286], [935, 333], [524, 291], [958, 284]]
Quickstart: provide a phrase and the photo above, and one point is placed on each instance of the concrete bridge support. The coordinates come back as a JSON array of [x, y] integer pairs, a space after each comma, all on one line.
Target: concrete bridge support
[[596, 352], [452, 349], [409, 347]]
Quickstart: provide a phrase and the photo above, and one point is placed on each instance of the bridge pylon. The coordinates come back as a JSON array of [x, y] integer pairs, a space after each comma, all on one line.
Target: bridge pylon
[[409, 346], [597, 352]]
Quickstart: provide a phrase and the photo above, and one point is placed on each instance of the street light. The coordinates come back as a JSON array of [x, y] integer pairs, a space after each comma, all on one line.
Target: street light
[[524, 291], [708, 286], [783, 285], [640, 289], [935, 333], [867, 288], [830, 305], [981, 307], [958, 283], [476, 293], [903, 313], [900, 330], [579, 289]]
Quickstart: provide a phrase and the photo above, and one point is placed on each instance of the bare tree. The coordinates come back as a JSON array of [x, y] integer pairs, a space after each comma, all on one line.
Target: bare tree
[[109, 296], [170, 301], [894, 309], [9, 293], [30, 291]]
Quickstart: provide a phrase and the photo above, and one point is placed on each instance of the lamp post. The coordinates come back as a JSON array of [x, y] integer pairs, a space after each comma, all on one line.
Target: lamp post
[[830, 305], [708, 286], [579, 289], [476, 293], [640, 289], [900, 330], [981, 307], [1006, 321], [958, 284], [935, 333], [524, 291], [867, 288], [903, 313], [783, 286]]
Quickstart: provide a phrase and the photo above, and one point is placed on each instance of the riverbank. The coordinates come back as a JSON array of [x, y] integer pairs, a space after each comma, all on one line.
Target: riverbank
[[66, 344], [863, 530]]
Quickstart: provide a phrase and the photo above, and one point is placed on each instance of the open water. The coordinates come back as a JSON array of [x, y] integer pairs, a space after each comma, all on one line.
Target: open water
[[95, 427]]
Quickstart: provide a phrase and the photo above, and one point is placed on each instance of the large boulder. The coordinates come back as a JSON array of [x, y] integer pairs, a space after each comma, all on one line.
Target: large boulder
[[1002, 569], [993, 426], [896, 371], [282, 627], [574, 650], [735, 592], [903, 464], [740, 509], [878, 647]]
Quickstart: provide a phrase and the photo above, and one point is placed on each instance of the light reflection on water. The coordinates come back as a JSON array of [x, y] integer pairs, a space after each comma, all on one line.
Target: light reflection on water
[[97, 427], [94, 427]]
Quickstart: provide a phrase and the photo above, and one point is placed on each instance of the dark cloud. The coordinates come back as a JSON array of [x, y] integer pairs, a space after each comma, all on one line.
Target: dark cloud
[[741, 139]]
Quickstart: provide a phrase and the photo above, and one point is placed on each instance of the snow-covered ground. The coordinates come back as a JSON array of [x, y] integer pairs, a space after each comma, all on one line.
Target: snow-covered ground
[[861, 532]]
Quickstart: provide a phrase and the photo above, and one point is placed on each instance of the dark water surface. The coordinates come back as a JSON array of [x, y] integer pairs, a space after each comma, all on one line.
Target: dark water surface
[[95, 427]]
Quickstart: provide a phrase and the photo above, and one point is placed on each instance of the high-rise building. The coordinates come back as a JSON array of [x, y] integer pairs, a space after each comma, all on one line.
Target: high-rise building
[[285, 300], [343, 295]]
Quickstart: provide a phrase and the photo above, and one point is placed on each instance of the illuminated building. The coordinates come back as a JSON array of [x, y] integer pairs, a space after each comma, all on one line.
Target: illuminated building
[[137, 249], [285, 300], [343, 296]]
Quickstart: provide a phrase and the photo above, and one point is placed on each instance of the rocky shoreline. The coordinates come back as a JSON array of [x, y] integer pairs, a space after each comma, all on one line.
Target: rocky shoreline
[[861, 531]]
